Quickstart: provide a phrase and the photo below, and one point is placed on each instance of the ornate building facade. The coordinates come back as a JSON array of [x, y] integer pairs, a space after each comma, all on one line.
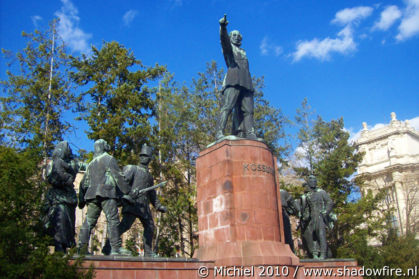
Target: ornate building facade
[[391, 162]]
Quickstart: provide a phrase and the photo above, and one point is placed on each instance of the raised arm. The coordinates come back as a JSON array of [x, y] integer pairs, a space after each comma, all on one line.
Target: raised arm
[[225, 39]]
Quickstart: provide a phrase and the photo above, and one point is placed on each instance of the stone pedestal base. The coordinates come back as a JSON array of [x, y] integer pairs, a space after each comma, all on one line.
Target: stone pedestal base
[[247, 253], [114, 267], [239, 206]]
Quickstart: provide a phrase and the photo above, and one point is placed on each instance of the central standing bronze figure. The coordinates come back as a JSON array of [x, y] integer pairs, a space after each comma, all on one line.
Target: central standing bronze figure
[[237, 88], [136, 203], [101, 188]]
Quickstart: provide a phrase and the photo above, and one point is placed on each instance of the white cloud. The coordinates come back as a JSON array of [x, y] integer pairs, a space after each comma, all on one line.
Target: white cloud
[[363, 36], [299, 159], [277, 50], [266, 47], [344, 42], [409, 26], [321, 49], [129, 17], [68, 28], [35, 20], [353, 137], [351, 15], [388, 18], [414, 122]]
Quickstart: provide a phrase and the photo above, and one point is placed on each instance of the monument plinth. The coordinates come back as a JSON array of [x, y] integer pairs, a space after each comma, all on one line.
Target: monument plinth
[[239, 206]]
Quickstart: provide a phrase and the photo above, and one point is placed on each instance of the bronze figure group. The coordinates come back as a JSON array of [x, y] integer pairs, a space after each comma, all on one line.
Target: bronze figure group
[[104, 187]]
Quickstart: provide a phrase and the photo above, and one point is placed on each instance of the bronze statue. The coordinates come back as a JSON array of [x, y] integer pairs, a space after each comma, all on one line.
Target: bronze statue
[[101, 188], [61, 200], [289, 207], [136, 203], [316, 209], [237, 87], [140, 178]]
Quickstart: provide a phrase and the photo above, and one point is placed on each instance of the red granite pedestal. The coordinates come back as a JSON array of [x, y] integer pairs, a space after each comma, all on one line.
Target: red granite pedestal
[[115, 267], [239, 207], [121, 267]]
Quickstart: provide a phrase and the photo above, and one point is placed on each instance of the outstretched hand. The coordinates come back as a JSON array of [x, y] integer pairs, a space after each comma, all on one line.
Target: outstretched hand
[[223, 20]]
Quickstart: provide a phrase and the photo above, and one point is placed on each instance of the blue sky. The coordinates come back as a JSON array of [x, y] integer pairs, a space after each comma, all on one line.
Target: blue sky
[[353, 59]]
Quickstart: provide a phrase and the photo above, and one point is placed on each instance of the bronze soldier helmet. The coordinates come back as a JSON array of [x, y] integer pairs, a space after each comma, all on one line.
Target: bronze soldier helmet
[[146, 150]]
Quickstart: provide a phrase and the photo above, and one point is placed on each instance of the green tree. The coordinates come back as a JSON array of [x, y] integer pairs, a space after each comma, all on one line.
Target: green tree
[[269, 122], [24, 251], [205, 99], [358, 223], [178, 143], [336, 159], [304, 120], [400, 252], [37, 93], [118, 104]]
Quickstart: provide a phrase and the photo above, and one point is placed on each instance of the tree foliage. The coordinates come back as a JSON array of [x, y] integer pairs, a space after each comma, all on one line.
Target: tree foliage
[[24, 251], [117, 101], [304, 119], [358, 224], [178, 143], [336, 159], [36, 96], [36, 93], [269, 122], [400, 252]]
